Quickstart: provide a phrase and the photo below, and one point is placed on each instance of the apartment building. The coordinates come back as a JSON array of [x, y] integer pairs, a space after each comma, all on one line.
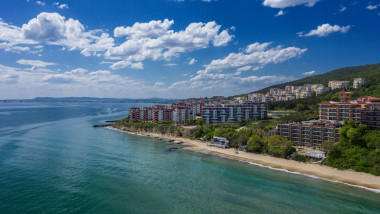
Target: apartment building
[[339, 85], [370, 116], [358, 82], [309, 133], [232, 113], [364, 110]]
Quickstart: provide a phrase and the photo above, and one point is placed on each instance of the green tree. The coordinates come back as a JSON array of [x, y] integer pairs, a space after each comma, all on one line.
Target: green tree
[[327, 146], [279, 146], [301, 158], [255, 144], [199, 121]]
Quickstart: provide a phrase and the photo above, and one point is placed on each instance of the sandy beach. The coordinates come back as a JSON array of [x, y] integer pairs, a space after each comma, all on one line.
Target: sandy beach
[[349, 177]]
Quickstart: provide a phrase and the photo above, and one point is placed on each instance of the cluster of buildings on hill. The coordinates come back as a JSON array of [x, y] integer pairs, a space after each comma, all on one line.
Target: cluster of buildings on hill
[[363, 110], [298, 92]]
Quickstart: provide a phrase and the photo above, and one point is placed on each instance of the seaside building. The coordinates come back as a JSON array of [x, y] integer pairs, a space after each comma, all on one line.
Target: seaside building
[[358, 82], [232, 113], [364, 110], [309, 133], [220, 142]]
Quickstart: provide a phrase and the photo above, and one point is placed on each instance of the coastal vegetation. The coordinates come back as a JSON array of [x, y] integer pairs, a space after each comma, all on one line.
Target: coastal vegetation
[[357, 149], [240, 136]]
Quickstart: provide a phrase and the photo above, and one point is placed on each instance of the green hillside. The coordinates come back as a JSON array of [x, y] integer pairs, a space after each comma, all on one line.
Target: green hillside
[[370, 72]]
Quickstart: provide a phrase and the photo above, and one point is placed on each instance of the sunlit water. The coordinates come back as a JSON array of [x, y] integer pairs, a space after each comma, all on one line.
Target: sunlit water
[[53, 161]]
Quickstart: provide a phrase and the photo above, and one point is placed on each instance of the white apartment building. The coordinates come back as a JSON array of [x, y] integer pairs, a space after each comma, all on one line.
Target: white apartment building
[[358, 82], [339, 84]]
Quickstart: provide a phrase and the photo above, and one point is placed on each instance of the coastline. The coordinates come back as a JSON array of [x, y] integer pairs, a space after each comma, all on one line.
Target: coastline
[[349, 177]]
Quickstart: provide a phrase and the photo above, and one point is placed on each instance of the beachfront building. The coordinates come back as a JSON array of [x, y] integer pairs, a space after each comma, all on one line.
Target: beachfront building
[[220, 142], [370, 116], [364, 110], [232, 113], [309, 133], [339, 85], [358, 82]]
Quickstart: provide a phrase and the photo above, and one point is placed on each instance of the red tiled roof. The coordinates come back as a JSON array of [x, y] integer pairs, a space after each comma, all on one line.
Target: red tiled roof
[[368, 98]]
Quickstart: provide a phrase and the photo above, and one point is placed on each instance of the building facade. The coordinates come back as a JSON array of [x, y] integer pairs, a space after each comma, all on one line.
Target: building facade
[[309, 134], [232, 113], [358, 82]]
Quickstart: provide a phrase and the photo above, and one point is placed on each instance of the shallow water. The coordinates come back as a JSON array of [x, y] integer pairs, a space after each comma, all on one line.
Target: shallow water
[[53, 161]]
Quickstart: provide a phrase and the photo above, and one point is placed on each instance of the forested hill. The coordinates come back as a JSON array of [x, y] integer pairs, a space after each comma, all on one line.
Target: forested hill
[[370, 72]]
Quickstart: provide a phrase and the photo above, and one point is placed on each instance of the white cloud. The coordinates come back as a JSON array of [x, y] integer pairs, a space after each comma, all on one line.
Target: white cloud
[[142, 30], [308, 73], [226, 75], [256, 55], [325, 30], [34, 63], [288, 3], [9, 47], [154, 40], [21, 83], [280, 13], [158, 85], [372, 7], [40, 3], [79, 71], [192, 61], [125, 64], [342, 8], [54, 29], [170, 64], [63, 6]]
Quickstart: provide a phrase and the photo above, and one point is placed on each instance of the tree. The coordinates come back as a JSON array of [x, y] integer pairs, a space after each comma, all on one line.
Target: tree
[[199, 132], [327, 146], [372, 139], [357, 149], [301, 158], [279, 146], [255, 144], [199, 121]]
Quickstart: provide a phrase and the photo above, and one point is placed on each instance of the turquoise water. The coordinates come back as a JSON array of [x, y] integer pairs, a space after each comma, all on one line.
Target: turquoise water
[[53, 161]]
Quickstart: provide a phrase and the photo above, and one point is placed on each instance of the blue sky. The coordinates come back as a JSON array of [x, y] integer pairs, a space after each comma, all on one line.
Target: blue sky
[[177, 49]]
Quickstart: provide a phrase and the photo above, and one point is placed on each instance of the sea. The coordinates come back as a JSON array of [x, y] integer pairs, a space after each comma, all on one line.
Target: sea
[[53, 161]]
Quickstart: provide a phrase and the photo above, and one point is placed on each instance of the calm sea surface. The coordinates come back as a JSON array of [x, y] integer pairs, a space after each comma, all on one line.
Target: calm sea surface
[[53, 161]]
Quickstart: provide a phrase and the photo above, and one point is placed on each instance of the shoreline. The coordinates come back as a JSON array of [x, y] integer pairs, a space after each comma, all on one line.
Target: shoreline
[[349, 177]]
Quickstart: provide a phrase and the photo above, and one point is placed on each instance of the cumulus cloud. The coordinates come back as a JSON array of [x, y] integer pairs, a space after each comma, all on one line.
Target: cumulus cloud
[[145, 30], [54, 29], [325, 30], [308, 73], [288, 3], [125, 64], [226, 75], [34, 63], [154, 40], [254, 57], [63, 6], [280, 13], [192, 61]]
